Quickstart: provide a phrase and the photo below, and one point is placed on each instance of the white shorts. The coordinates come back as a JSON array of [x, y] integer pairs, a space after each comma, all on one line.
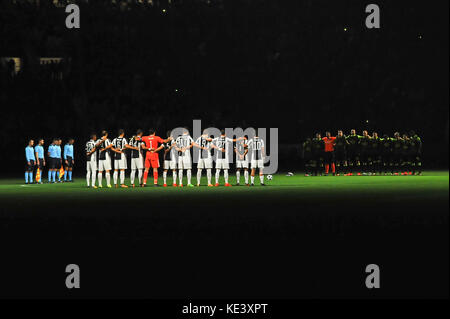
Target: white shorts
[[222, 163], [104, 165], [184, 162], [258, 163], [91, 166], [241, 164], [137, 163], [172, 164], [121, 163], [204, 163]]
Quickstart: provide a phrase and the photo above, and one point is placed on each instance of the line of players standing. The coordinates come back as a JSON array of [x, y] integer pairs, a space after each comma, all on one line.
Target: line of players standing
[[363, 154], [144, 152]]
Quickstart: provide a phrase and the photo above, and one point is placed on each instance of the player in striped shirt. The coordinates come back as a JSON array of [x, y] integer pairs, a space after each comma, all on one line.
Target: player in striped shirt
[[68, 159], [137, 158], [39, 152], [31, 161], [241, 150], [91, 160], [204, 158], [183, 144], [170, 161], [120, 144], [256, 145], [104, 160], [223, 144]]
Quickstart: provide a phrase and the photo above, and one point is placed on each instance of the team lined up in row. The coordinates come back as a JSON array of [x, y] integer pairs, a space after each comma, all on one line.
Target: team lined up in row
[[363, 154], [102, 153], [35, 161]]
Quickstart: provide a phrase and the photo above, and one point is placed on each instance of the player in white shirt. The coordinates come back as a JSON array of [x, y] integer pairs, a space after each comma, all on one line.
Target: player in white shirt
[[104, 160], [137, 157], [91, 160], [205, 158], [120, 144], [241, 150], [170, 161], [223, 144], [183, 144], [256, 147]]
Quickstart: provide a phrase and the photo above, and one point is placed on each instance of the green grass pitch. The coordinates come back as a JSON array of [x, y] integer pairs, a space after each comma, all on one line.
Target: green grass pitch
[[430, 186]]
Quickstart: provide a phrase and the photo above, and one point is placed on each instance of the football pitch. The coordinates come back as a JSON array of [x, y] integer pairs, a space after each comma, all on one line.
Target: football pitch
[[174, 241], [431, 188]]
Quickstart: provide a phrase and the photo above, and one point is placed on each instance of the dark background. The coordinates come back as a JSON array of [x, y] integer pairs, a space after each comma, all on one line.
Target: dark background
[[284, 64]]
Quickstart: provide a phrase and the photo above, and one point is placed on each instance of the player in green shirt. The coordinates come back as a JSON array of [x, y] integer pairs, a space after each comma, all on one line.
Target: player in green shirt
[[364, 152], [353, 151], [386, 154], [416, 152], [397, 148], [340, 153], [307, 154], [374, 154], [318, 147]]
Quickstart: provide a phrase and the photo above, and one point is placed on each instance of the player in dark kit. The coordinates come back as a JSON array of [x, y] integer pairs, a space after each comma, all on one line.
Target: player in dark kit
[[374, 154], [364, 152], [416, 150], [397, 146], [407, 157], [318, 147], [353, 151], [386, 154], [329, 142], [340, 153], [307, 155]]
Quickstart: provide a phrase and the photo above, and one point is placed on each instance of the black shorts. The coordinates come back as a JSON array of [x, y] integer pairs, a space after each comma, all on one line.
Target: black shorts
[[329, 157], [69, 162], [41, 164], [30, 167], [352, 155], [54, 163], [340, 156], [364, 156]]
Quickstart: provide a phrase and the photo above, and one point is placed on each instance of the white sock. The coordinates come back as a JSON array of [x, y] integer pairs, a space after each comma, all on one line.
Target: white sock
[[199, 176], [217, 175], [174, 176], [180, 176], [93, 178], [115, 174], [252, 179], [140, 176], [88, 178], [189, 176], [164, 177], [108, 178], [261, 178], [208, 175], [246, 177], [238, 176], [132, 176], [225, 174], [100, 178], [122, 177]]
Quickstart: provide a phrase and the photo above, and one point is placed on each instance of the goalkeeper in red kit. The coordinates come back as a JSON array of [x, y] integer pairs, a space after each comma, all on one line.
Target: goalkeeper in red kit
[[329, 142]]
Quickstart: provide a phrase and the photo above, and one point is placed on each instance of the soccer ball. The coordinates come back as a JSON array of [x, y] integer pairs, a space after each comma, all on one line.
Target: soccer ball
[[269, 177], [290, 174]]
